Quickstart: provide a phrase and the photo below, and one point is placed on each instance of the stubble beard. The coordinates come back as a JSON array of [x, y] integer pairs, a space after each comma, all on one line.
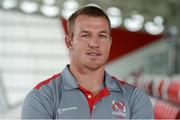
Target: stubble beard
[[93, 65]]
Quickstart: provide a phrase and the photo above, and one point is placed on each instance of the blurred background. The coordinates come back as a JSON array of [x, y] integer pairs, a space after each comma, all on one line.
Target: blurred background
[[145, 49]]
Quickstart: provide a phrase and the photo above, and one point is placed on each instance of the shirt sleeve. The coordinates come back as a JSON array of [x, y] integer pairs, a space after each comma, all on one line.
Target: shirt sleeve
[[141, 107], [37, 105]]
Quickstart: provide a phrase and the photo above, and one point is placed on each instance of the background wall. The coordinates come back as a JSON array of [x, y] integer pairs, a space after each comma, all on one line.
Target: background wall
[[31, 50]]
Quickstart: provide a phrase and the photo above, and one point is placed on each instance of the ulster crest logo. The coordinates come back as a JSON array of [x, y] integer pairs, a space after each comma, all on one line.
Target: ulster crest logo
[[118, 109]]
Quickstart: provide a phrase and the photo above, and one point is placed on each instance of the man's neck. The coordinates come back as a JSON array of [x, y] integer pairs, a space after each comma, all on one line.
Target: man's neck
[[92, 80]]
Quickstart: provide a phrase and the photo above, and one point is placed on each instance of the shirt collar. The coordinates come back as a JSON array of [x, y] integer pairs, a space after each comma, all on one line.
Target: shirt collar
[[111, 83], [70, 82], [68, 79]]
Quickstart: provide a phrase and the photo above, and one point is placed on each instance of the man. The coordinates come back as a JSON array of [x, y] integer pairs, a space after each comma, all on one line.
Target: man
[[84, 90]]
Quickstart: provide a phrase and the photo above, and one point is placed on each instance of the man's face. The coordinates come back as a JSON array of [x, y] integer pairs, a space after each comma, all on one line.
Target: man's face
[[91, 42]]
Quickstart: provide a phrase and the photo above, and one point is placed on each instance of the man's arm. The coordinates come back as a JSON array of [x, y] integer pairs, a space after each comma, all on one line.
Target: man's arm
[[37, 105], [141, 107]]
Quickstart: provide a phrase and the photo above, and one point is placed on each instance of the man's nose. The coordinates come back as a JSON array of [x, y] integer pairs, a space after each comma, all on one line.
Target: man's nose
[[93, 43]]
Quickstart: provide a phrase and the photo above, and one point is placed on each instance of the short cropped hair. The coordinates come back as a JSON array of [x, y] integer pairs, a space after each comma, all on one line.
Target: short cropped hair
[[91, 11]]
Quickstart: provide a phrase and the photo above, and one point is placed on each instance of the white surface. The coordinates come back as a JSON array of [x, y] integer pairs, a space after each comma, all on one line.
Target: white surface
[[32, 49], [11, 114]]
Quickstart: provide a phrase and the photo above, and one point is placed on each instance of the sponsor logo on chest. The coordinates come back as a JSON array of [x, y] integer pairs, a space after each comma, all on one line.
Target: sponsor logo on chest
[[66, 109]]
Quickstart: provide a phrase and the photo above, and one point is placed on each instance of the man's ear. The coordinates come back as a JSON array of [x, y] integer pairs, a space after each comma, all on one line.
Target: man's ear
[[68, 41], [111, 40]]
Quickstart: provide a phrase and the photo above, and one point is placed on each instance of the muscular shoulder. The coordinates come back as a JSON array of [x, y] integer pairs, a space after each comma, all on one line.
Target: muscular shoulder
[[130, 91], [138, 100], [50, 82], [48, 88], [124, 86], [42, 100]]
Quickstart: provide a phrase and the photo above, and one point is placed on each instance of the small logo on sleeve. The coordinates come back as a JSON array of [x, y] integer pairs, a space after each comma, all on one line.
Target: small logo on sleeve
[[118, 109]]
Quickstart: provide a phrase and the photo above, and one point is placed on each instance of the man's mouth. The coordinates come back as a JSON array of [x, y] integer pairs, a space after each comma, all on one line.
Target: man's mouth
[[94, 53]]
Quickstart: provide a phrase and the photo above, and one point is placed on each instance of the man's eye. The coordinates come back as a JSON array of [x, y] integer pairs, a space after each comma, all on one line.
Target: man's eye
[[85, 35], [103, 36]]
